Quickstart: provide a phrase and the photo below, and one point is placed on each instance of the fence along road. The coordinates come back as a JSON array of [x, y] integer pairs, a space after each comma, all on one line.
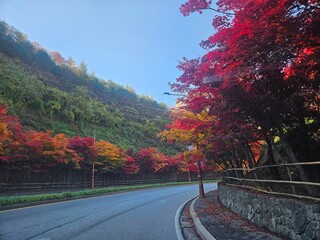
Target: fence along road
[[246, 177], [147, 214]]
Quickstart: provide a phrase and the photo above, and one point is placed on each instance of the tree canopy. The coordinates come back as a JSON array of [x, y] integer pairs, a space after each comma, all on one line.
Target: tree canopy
[[258, 82]]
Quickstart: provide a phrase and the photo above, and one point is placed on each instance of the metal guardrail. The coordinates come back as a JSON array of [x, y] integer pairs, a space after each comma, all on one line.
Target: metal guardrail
[[243, 176]]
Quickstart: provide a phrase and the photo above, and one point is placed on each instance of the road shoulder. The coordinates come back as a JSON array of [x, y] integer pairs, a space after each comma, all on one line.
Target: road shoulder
[[222, 223], [186, 222]]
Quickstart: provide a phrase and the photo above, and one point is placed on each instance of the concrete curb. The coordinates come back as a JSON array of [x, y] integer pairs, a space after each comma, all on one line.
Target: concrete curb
[[177, 219], [201, 230]]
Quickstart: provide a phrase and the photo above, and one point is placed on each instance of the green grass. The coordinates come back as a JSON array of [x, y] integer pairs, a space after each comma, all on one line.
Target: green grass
[[10, 200]]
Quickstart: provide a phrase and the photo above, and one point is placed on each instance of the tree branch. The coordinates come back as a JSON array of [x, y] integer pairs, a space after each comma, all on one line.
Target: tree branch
[[231, 14]]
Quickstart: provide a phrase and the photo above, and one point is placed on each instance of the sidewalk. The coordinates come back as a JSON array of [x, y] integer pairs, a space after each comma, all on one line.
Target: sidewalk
[[220, 222]]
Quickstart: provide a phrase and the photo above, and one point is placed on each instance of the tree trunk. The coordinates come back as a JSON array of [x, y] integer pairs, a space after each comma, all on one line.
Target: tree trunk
[[246, 151], [293, 159], [201, 190], [274, 171]]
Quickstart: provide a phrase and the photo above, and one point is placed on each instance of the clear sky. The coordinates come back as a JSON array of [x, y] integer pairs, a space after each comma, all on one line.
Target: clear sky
[[132, 42]]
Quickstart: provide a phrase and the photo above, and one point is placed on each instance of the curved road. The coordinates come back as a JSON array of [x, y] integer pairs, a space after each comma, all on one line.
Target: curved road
[[142, 215]]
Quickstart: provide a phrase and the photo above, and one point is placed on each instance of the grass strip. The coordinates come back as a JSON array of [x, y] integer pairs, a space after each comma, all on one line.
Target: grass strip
[[10, 200]]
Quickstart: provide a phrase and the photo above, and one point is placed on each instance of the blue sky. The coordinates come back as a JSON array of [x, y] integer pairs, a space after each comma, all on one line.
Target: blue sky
[[136, 43]]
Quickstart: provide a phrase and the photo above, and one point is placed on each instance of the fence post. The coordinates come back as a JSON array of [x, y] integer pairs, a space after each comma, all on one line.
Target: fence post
[[255, 174], [236, 174], [290, 179], [228, 180]]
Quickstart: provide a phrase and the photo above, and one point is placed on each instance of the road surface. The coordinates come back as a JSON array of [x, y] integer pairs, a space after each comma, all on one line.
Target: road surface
[[142, 215]]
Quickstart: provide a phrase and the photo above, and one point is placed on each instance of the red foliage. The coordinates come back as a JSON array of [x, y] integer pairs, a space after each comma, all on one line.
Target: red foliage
[[39, 151], [146, 157], [265, 59], [130, 166], [10, 131], [194, 6], [84, 146], [57, 58]]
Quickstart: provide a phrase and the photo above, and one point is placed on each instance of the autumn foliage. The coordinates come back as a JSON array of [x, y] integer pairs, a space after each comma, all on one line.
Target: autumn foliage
[[257, 86], [28, 151]]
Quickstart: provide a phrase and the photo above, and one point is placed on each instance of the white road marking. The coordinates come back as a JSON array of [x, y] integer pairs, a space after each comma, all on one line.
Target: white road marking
[[125, 203]]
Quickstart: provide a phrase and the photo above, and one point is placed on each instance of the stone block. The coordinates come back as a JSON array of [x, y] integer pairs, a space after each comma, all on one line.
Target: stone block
[[288, 222], [310, 215], [312, 229], [254, 201], [309, 212], [264, 222], [263, 208], [318, 234], [250, 216], [272, 224], [292, 234], [267, 216], [297, 205], [316, 208], [284, 231], [257, 221], [249, 208], [288, 205], [256, 208], [299, 221], [276, 211], [305, 237], [278, 228], [271, 202], [288, 212]]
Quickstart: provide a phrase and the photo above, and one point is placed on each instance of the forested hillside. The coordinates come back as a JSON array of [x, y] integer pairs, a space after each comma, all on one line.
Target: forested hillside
[[48, 92]]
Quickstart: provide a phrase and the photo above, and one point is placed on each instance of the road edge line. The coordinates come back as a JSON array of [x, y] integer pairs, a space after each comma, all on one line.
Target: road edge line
[[201, 230], [178, 216]]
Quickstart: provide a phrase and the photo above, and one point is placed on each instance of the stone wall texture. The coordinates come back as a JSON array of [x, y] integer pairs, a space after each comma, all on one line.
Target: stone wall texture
[[289, 217]]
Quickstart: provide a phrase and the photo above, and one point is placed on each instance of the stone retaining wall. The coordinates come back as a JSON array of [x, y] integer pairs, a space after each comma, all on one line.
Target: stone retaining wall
[[289, 217]]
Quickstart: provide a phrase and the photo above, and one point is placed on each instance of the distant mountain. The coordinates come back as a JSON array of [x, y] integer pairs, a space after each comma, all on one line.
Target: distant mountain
[[49, 92]]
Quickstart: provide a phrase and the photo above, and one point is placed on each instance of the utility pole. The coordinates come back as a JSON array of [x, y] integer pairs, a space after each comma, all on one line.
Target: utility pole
[[93, 160]]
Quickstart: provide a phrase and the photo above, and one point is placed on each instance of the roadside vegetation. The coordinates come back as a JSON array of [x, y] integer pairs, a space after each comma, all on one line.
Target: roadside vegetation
[[10, 200]]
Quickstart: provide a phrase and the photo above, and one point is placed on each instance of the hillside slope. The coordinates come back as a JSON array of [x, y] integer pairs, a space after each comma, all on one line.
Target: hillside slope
[[49, 92]]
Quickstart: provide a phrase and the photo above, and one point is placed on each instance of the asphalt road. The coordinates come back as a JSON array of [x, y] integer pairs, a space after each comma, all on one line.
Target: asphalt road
[[145, 214]]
